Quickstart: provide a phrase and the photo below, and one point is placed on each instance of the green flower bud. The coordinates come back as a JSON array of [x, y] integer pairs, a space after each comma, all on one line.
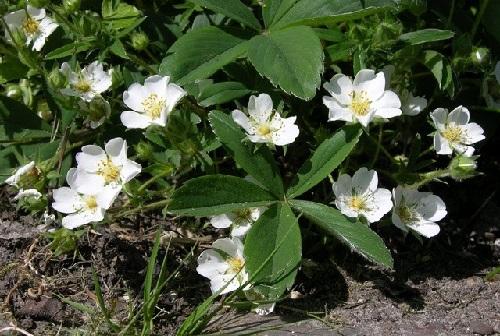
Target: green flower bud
[[56, 79], [144, 150], [139, 41], [13, 91], [38, 3], [463, 167], [25, 87], [480, 56], [43, 110], [96, 111], [71, 6]]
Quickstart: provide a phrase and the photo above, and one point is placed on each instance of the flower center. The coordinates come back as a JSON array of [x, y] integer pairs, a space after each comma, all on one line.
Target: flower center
[[109, 171], [82, 85], [264, 130], [235, 265], [91, 203], [360, 104], [452, 133], [406, 214], [153, 105], [29, 178], [30, 26], [357, 203], [243, 215]]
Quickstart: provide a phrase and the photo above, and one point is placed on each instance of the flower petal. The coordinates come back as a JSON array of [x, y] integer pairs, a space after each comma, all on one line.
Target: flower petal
[[260, 107], [134, 96], [131, 119], [241, 119], [340, 88], [367, 81], [388, 105], [364, 181], [173, 94], [441, 145], [426, 229], [66, 200], [459, 116]]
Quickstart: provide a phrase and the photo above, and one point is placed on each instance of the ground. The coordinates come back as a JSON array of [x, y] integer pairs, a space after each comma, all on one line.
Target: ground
[[438, 287]]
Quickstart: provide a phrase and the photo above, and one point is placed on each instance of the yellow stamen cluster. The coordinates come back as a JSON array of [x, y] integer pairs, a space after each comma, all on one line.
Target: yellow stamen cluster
[[357, 203], [360, 104], [264, 130], [235, 265], [153, 105], [82, 86], [243, 215], [452, 133], [91, 203], [30, 26], [406, 214], [109, 171]]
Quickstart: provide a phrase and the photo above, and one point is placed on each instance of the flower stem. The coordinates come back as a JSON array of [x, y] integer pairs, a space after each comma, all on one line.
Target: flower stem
[[430, 176], [482, 9]]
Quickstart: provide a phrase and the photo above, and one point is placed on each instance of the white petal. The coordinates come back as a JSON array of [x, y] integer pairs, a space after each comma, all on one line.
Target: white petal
[[432, 208], [388, 105], [459, 116], [15, 19], [36, 13], [66, 200], [380, 204], [260, 107], [156, 84], [232, 247], [173, 94], [78, 219], [241, 230], [117, 150], [107, 195], [241, 119], [90, 158], [474, 133], [221, 221], [426, 229], [365, 120], [336, 112], [211, 263], [131, 119], [414, 105], [343, 186], [373, 85], [39, 43], [342, 204], [129, 170], [86, 183], [340, 87], [388, 71], [24, 193], [287, 133], [440, 118], [397, 221], [364, 181], [441, 145], [134, 97]]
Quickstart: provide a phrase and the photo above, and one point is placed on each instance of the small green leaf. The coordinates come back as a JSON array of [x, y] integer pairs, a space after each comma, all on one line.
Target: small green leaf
[[119, 15], [273, 251], [324, 160], [272, 10], [234, 9], [69, 49], [291, 59], [220, 93], [440, 68], [320, 12], [200, 53], [217, 194], [259, 164], [118, 49], [426, 35], [11, 68], [354, 234]]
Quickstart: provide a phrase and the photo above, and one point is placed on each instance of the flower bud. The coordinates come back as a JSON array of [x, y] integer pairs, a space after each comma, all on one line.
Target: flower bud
[[56, 79], [13, 91], [139, 41], [463, 167], [43, 110], [71, 6], [480, 56], [25, 87], [144, 150]]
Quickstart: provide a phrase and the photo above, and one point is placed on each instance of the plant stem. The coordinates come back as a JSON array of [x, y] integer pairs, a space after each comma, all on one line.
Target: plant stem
[[143, 208], [152, 180], [430, 176], [382, 148], [479, 17]]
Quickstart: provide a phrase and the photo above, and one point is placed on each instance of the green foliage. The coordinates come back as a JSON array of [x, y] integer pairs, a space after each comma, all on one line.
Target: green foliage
[[440, 68], [426, 35], [233, 9]]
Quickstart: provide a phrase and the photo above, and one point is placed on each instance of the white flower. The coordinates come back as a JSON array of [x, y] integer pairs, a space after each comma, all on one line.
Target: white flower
[[97, 111], [362, 99], [98, 167], [412, 105], [454, 132], [224, 264], [240, 220], [91, 81], [417, 211], [151, 103], [263, 125], [33, 23], [24, 193], [359, 195], [82, 204]]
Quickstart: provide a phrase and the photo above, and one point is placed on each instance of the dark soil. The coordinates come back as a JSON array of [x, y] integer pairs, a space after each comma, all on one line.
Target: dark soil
[[438, 287]]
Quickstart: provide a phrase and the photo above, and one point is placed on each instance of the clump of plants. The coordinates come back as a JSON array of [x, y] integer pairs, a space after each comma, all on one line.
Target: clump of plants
[[256, 117]]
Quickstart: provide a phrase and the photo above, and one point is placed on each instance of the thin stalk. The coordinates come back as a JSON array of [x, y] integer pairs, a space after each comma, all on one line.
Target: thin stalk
[[382, 148], [143, 208], [430, 176], [379, 145]]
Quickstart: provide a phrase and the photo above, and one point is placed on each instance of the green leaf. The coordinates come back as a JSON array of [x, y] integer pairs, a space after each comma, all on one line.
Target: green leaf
[[426, 35], [490, 19], [119, 15], [356, 235], [234, 9], [291, 59], [69, 49], [220, 93], [440, 68], [273, 251], [272, 10], [19, 124], [217, 194], [320, 12], [259, 164], [324, 160], [118, 49], [11, 68], [200, 53]]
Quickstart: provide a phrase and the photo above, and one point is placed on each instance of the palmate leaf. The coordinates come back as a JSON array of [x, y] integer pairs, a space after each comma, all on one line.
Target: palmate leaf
[[291, 58], [273, 251], [319, 12], [234, 9], [324, 160], [217, 194], [275, 9], [259, 164], [200, 53], [356, 235]]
